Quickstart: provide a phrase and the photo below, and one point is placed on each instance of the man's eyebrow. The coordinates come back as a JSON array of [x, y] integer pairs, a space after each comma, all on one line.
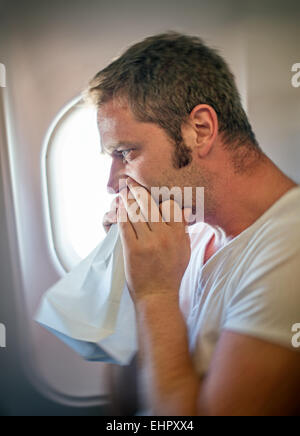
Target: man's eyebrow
[[111, 148]]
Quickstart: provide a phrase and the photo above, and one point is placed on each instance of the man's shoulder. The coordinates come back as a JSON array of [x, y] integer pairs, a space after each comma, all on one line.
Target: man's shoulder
[[282, 228], [278, 230]]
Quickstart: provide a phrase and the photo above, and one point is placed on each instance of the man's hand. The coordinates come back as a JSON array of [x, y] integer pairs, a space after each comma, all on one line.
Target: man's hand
[[156, 256], [111, 216], [156, 253]]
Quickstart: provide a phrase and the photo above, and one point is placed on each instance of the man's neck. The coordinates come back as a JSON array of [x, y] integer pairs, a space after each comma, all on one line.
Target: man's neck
[[240, 199]]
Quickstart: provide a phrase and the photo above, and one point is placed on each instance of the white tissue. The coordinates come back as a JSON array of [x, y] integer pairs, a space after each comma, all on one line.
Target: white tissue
[[90, 309]]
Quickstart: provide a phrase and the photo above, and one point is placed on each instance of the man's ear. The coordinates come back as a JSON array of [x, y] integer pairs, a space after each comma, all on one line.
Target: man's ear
[[203, 128]]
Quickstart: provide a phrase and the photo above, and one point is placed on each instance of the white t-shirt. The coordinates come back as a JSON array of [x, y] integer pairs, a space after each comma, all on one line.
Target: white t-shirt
[[200, 235], [251, 285]]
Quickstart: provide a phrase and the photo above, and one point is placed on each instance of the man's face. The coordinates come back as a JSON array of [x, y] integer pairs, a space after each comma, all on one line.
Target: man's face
[[142, 151]]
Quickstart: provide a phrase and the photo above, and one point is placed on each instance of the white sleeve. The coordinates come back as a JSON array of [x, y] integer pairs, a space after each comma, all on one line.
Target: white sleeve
[[266, 301]]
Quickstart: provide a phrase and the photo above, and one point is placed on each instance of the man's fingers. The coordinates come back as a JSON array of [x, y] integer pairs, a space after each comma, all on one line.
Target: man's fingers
[[133, 207], [110, 217], [145, 214], [171, 212], [134, 213], [128, 232], [147, 206]]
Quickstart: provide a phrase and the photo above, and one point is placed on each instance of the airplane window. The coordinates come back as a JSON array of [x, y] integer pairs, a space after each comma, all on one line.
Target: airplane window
[[76, 176]]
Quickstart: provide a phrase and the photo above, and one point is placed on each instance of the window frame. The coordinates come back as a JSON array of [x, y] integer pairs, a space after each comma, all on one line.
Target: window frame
[[62, 253]]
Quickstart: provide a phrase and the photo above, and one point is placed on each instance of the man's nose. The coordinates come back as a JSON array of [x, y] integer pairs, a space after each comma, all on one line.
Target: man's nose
[[117, 178]]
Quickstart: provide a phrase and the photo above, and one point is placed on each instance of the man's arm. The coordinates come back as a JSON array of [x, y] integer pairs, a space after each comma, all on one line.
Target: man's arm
[[163, 346], [247, 376]]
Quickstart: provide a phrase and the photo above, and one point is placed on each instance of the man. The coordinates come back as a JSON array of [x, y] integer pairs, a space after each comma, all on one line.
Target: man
[[170, 115]]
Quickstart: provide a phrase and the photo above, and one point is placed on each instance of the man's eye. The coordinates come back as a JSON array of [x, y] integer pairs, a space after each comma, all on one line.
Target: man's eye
[[125, 153]]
